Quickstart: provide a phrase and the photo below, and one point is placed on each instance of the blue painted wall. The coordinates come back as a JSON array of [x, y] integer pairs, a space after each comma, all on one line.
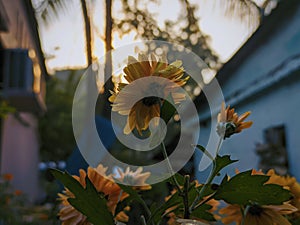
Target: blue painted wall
[[274, 95]]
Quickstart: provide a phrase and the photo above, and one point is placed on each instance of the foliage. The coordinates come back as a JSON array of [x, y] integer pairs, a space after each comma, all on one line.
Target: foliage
[[16, 209], [146, 27], [5, 109], [55, 127], [248, 191], [86, 200], [245, 188]]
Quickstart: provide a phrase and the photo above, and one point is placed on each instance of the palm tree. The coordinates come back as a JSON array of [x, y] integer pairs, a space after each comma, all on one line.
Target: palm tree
[[88, 32], [50, 8], [246, 10]]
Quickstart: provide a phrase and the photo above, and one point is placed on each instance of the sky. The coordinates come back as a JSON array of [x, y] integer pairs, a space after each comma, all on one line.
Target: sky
[[63, 39]]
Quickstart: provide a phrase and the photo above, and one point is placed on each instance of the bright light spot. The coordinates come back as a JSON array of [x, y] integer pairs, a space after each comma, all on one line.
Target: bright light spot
[[31, 53], [208, 75], [188, 88], [197, 91], [176, 117]]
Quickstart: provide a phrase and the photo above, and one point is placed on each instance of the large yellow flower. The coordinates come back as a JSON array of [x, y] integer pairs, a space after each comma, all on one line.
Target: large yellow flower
[[287, 182], [70, 216], [229, 122], [145, 109], [267, 214], [258, 215]]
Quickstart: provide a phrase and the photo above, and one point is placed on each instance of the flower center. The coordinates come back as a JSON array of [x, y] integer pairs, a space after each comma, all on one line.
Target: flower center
[[149, 101], [255, 210], [156, 90], [226, 128]]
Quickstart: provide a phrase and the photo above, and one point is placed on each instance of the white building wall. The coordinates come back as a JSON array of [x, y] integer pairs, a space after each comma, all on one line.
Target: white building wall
[[279, 105], [284, 42]]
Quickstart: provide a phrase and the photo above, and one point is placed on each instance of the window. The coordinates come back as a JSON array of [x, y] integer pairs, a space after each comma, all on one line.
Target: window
[[272, 153]]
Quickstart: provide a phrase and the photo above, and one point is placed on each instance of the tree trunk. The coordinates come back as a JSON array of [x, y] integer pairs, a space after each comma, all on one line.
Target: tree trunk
[[103, 103], [88, 33]]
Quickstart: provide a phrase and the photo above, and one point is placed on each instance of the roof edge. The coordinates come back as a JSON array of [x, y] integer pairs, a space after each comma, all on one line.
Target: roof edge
[[273, 22]]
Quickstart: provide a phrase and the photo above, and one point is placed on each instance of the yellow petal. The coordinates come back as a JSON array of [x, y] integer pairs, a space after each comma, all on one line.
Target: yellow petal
[[243, 116]]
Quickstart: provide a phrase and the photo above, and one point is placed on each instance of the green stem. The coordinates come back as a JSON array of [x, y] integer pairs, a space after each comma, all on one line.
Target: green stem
[[183, 193], [147, 210], [143, 220], [164, 151], [206, 200], [219, 144], [200, 194], [185, 196], [244, 213], [243, 221], [210, 178]]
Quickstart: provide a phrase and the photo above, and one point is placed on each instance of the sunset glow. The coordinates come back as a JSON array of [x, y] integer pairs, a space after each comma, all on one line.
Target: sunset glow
[[63, 40]]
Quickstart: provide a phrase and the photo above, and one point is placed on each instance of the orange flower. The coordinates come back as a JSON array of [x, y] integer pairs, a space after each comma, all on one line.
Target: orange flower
[[8, 176], [18, 192], [70, 216], [229, 122], [140, 115]]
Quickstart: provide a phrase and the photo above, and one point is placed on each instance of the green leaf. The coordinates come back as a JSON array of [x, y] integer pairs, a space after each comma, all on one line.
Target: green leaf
[[201, 212], [296, 222], [133, 194], [221, 162], [245, 188], [176, 200], [167, 109], [157, 213], [87, 200], [201, 148], [178, 177]]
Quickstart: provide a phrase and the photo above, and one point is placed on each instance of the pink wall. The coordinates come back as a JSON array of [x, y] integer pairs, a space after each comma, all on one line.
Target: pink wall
[[20, 150]]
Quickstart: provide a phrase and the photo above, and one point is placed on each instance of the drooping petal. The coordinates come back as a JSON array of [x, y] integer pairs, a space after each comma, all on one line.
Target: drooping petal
[[143, 67]]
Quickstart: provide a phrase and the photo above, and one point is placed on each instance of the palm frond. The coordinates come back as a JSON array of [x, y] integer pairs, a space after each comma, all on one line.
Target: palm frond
[[247, 11], [49, 10]]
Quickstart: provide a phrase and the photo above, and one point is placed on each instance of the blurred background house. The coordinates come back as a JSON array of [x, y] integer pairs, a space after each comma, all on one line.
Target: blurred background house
[[264, 77], [22, 83], [260, 77]]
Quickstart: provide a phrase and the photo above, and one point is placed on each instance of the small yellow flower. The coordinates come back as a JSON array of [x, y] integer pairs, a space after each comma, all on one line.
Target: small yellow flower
[[229, 122], [145, 109], [104, 184], [136, 179]]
